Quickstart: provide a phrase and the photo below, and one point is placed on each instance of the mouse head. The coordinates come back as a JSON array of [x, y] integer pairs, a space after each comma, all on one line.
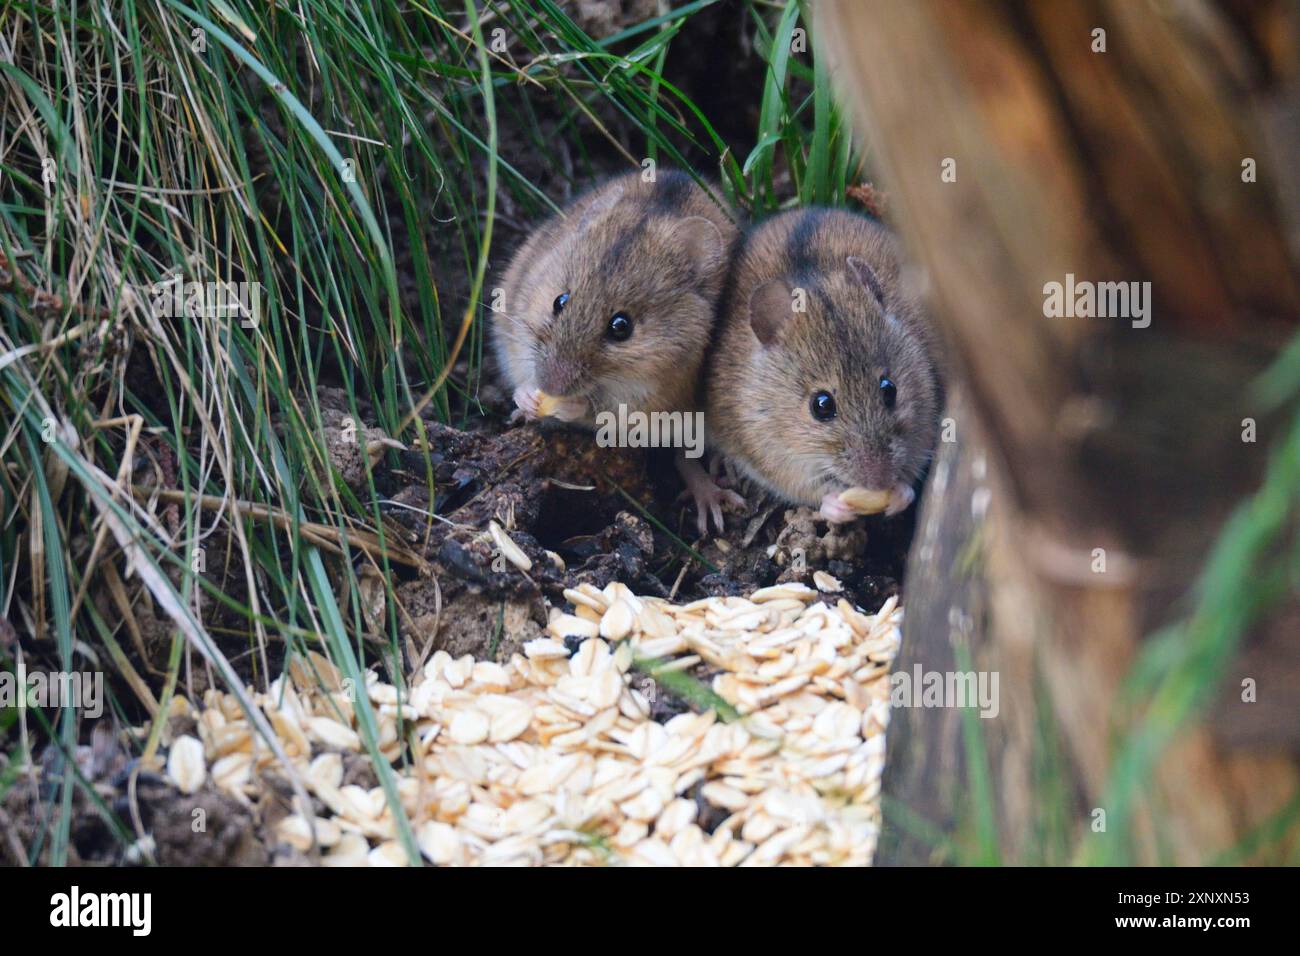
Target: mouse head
[[845, 369], [624, 302]]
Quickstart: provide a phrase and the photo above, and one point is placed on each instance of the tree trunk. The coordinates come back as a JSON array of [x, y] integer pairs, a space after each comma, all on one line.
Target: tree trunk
[[1096, 457]]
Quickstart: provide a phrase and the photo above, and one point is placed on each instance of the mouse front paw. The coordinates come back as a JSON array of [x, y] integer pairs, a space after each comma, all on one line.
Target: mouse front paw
[[534, 404], [528, 401], [900, 497], [836, 511]]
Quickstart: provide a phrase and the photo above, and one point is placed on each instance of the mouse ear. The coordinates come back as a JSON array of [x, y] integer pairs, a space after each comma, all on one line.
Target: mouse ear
[[701, 242], [771, 306], [867, 276], [598, 206]]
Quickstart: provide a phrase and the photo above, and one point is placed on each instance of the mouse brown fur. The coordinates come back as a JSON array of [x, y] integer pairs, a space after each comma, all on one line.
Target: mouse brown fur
[[655, 252], [816, 303]]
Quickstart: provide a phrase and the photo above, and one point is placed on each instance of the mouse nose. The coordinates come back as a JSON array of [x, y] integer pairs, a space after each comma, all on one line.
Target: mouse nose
[[872, 468], [560, 377]]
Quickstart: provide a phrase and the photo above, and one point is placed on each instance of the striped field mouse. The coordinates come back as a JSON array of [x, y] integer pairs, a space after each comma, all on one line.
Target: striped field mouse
[[825, 371], [613, 303]]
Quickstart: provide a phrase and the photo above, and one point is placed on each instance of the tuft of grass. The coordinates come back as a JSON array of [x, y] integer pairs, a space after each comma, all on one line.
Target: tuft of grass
[[799, 116]]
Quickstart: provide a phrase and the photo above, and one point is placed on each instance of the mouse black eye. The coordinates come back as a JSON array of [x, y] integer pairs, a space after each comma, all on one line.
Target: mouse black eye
[[560, 300], [822, 406], [888, 392], [620, 327]]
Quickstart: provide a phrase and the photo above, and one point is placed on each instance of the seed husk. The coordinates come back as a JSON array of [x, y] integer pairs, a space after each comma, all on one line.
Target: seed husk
[[570, 625], [545, 649], [469, 727], [295, 831], [511, 551], [617, 622], [827, 582], [185, 764], [333, 734], [865, 501]]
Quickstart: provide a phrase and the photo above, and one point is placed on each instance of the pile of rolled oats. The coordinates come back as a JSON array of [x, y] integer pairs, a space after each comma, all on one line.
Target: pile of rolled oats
[[554, 758]]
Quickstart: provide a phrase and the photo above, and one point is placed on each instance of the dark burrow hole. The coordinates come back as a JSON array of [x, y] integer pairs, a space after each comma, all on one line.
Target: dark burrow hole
[[568, 517]]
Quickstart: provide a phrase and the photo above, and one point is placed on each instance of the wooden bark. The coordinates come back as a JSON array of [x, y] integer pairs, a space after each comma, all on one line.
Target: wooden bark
[[1123, 165]]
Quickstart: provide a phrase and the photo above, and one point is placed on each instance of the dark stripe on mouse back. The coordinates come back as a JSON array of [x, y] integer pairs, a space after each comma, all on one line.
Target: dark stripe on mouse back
[[618, 249], [803, 260], [847, 351], [627, 236], [669, 196], [801, 246], [730, 292], [670, 192]]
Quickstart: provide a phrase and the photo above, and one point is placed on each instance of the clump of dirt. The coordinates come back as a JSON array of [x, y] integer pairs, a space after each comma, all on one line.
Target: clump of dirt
[[207, 828], [578, 513], [474, 623]]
